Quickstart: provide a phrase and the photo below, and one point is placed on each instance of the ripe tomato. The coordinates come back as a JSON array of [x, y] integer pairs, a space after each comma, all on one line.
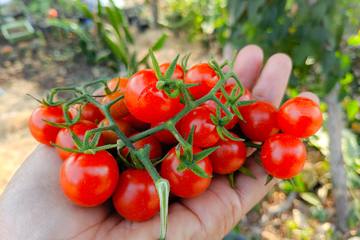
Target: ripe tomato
[[155, 147], [185, 184], [283, 156], [136, 197], [300, 117], [164, 136], [136, 123], [40, 130], [89, 179], [259, 120], [229, 157], [205, 134], [146, 102], [109, 136], [178, 72], [118, 82], [118, 109], [203, 75], [64, 138], [89, 112]]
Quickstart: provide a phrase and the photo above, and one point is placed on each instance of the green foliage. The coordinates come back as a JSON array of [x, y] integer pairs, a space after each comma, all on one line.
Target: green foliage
[[110, 40]]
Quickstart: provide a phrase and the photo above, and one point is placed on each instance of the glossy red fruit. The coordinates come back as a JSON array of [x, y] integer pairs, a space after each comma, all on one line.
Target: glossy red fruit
[[185, 184], [300, 117], [259, 120], [155, 147], [88, 112], [118, 83], [89, 179], [203, 75], [205, 134], [118, 109], [136, 123], [164, 136], [229, 157], [65, 140], [136, 198], [42, 131], [283, 156], [146, 102], [178, 72]]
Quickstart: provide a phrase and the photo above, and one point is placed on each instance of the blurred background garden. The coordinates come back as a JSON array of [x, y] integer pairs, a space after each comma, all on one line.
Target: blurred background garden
[[46, 43]]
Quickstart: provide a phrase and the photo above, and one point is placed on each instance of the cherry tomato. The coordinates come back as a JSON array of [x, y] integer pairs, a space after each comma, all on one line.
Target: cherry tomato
[[164, 136], [185, 184], [259, 120], [283, 156], [229, 157], [118, 109], [135, 197], [300, 117], [119, 83], [155, 147], [109, 136], [89, 179], [178, 72], [64, 138], [146, 102], [136, 123], [42, 131], [205, 134], [89, 112], [203, 75]]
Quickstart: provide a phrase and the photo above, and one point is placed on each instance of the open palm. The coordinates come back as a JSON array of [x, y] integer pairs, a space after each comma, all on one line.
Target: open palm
[[33, 206]]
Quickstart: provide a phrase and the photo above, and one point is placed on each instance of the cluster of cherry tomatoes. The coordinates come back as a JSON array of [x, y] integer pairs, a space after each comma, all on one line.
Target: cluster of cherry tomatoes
[[89, 179]]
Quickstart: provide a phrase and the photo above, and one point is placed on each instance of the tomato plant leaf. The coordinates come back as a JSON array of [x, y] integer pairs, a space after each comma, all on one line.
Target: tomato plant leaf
[[199, 171], [247, 172], [204, 153]]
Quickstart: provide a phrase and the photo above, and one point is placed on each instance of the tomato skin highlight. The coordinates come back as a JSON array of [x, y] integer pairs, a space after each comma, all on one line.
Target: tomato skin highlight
[[178, 72], [89, 112], [229, 157], [136, 197], [203, 75], [259, 120], [155, 147], [283, 156], [64, 138], [205, 134], [40, 130], [146, 102], [300, 117], [185, 184], [89, 179]]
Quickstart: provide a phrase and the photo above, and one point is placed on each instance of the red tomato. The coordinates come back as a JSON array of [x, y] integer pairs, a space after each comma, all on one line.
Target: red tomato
[[164, 136], [136, 123], [203, 75], [229, 157], [146, 102], [178, 72], [185, 184], [109, 136], [118, 109], [205, 134], [118, 82], [64, 138], [89, 112], [300, 117], [40, 130], [155, 147], [89, 179], [259, 120], [283, 156], [136, 198]]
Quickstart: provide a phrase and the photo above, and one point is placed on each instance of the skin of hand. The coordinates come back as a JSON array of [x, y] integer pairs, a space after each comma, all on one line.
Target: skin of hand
[[34, 207]]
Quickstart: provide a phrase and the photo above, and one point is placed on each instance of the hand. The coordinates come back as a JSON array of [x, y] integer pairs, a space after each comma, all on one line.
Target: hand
[[34, 207]]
